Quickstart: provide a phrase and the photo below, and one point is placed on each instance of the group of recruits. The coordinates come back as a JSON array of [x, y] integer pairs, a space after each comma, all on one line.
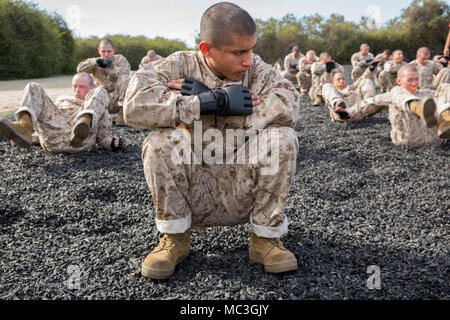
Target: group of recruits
[[223, 86], [416, 95]]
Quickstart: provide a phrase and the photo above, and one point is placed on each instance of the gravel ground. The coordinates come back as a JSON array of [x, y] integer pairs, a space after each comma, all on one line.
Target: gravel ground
[[356, 201]]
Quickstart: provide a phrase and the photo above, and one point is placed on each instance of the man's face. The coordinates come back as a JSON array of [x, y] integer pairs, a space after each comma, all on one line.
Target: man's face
[[398, 57], [296, 53], [325, 60], [385, 55], [106, 51], [81, 87], [364, 50], [311, 58], [232, 61], [339, 81], [409, 80], [422, 58]]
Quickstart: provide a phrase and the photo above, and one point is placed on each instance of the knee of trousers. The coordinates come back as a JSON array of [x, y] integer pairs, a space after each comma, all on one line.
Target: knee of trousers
[[165, 144], [286, 142]]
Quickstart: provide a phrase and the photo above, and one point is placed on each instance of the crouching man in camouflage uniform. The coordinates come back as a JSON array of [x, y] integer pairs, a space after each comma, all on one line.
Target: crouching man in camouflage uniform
[[291, 65], [215, 101], [419, 117], [322, 72], [71, 124], [111, 71], [338, 96], [361, 61], [304, 77], [431, 74]]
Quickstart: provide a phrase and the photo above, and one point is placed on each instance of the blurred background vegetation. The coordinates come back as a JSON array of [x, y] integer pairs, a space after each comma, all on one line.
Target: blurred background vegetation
[[35, 43]]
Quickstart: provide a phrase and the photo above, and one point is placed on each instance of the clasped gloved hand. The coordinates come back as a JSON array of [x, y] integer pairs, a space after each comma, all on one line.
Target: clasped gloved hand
[[293, 67], [447, 59], [104, 63], [373, 65], [330, 66], [223, 102]]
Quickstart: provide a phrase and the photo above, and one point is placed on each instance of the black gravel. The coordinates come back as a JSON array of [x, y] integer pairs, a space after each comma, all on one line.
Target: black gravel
[[356, 201]]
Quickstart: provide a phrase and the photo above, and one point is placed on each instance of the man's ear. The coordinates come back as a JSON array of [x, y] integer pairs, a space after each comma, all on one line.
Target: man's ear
[[205, 47], [98, 49], [398, 81]]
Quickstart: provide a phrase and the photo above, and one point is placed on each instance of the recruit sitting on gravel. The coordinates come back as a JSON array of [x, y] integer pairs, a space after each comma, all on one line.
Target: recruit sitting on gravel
[[322, 72], [111, 71], [226, 91], [71, 124], [418, 117], [338, 95]]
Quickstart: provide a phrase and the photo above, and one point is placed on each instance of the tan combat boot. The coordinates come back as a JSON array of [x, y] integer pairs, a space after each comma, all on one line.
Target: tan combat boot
[[80, 131], [120, 122], [444, 125], [172, 249], [272, 254], [317, 101], [425, 109], [20, 131]]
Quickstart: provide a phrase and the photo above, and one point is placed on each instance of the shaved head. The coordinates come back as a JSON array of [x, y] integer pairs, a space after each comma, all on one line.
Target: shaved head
[[402, 72], [223, 20]]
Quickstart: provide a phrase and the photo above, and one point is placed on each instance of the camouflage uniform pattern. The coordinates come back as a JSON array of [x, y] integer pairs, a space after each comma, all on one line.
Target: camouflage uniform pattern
[[360, 90], [432, 74], [53, 122], [407, 128], [387, 77], [290, 73], [320, 76], [360, 64], [114, 78], [380, 67], [304, 77], [201, 194]]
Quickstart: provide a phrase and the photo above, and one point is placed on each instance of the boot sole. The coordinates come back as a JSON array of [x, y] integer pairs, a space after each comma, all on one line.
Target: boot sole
[[80, 133], [158, 273], [429, 113], [444, 134], [274, 268], [8, 131]]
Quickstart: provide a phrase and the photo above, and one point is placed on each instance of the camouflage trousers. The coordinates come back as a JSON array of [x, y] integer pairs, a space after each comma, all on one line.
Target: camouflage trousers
[[53, 124], [290, 76], [203, 195], [386, 81], [117, 95], [304, 81], [332, 96], [442, 77], [357, 72]]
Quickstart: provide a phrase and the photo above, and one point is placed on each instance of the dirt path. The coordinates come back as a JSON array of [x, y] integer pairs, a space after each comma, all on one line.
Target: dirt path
[[11, 91]]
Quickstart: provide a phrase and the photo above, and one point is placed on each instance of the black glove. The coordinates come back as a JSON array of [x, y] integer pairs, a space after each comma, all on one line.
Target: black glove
[[373, 65], [445, 64], [369, 60], [229, 101], [192, 87], [293, 67], [104, 63], [382, 63], [343, 115], [330, 66], [119, 146]]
